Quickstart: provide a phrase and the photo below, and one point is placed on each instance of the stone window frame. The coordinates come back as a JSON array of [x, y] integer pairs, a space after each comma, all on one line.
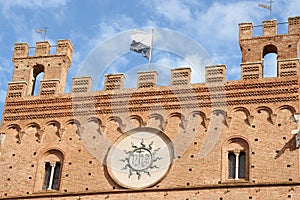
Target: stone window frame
[[48, 163], [235, 145]]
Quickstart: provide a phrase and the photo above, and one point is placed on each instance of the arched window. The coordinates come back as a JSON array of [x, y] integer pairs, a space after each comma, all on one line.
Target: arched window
[[270, 61], [236, 160], [37, 75], [52, 167]]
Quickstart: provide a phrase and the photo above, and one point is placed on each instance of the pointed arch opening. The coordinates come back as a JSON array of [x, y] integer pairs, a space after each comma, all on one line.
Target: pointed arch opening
[[270, 54]]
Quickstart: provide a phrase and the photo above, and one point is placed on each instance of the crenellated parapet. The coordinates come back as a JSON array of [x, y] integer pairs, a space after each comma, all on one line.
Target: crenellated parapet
[[269, 28], [216, 74], [42, 49], [53, 67], [180, 76], [147, 79], [254, 48], [114, 81], [21, 50], [81, 84], [63, 48]]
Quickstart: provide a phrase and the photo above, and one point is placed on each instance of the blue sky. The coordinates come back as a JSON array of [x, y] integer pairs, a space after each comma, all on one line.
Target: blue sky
[[91, 25]]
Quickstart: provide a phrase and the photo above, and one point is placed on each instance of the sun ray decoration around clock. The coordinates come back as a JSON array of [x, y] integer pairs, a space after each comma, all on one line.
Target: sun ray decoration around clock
[[141, 159]]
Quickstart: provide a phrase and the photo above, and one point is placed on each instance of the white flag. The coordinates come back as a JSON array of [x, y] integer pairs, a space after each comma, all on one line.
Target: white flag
[[141, 42]]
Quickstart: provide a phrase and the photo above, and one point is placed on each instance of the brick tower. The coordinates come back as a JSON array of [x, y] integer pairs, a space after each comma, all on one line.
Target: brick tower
[[54, 67]]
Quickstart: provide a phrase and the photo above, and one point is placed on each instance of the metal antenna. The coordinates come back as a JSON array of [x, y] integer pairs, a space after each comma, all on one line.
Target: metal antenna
[[267, 7], [42, 31]]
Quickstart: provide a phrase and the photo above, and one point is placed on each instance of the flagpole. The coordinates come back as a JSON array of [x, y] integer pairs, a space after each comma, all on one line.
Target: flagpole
[[150, 56]]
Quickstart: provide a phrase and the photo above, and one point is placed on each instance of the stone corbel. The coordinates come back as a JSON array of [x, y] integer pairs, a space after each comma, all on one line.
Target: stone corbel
[[122, 128], [99, 130], [160, 126], [205, 123], [39, 135], [20, 135], [80, 131], [163, 125], [102, 128], [250, 120], [273, 118], [228, 121], [143, 123], [60, 132], [183, 124]]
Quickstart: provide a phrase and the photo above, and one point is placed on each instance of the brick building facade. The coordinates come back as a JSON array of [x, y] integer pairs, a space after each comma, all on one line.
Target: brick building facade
[[214, 140]]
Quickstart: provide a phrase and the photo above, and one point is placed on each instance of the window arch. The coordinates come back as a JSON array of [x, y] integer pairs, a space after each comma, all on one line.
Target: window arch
[[52, 163], [37, 75], [270, 54], [236, 160]]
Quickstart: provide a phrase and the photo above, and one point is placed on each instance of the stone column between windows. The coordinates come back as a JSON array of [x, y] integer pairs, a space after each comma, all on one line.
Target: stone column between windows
[[237, 153], [52, 164]]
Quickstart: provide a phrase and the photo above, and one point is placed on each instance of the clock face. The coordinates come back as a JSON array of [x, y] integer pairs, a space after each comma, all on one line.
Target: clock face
[[140, 158]]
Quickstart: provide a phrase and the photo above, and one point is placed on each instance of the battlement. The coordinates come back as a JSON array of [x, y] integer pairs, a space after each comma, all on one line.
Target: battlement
[[180, 77], [147, 79], [114, 81], [63, 47], [253, 48], [53, 68], [216, 74], [269, 28]]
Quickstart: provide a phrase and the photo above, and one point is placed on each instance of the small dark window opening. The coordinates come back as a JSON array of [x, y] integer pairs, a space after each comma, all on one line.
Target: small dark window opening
[[52, 175], [237, 167], [231, 162], [242, 165]]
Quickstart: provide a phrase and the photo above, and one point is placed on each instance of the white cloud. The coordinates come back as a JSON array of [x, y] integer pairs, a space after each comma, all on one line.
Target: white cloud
[[32, 4], [24, 15], [173, 10], [99, 60], [109, 27], [285, 9], [107, 45]]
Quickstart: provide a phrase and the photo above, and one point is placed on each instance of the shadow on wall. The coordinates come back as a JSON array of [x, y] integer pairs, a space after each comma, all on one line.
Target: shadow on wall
[[290, 145]]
